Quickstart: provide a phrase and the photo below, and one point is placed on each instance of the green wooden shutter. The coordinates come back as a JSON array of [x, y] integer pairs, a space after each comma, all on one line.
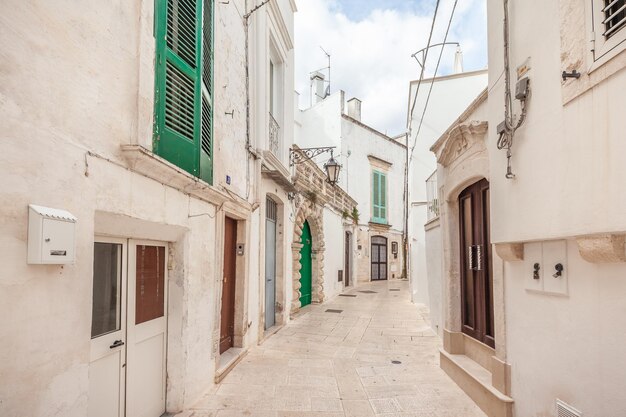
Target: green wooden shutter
[[179, 112], [206, 140], [379, 197]]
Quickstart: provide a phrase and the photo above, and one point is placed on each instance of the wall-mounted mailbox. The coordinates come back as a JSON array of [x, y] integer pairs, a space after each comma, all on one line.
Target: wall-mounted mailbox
[[51, 236]]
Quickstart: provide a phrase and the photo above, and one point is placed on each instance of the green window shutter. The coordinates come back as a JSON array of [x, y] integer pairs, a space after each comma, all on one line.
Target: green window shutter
[[379, 197], [183, 121], [206, 140]]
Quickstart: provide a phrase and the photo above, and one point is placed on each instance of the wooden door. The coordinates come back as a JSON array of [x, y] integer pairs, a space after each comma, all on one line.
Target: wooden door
[[146, 329], [270, 263], [476, 274], [347, 258], [107, 367], [379, 258], [306, 265], [227, 327]]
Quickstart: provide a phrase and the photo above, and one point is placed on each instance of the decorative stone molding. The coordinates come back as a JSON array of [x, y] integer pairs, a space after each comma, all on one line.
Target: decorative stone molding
[[311, 212], [458, 139], [602, 248], [510, 252]]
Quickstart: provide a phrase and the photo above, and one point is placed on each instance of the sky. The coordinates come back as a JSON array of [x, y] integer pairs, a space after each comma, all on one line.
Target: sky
[[371, 43]]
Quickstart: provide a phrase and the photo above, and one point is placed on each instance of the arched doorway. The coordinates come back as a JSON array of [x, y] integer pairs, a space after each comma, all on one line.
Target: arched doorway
[[475, 254], [306, 276], [379, 258]]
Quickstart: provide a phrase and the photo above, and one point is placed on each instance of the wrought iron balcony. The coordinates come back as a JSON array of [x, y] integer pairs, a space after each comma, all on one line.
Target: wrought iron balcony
[[274, 138]]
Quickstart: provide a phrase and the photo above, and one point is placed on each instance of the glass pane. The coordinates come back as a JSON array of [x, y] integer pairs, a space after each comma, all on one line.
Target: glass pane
[[150, 295], [469, 274], [107, 287]]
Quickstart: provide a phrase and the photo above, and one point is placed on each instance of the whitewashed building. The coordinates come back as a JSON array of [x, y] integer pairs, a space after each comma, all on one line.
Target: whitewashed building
[[372, 173], [430, 111], [532, 218], [137, 164]]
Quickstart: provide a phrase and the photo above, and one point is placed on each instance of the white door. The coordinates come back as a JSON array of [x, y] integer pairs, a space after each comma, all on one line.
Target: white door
[[108, 329], [146, 329], [129, 329]]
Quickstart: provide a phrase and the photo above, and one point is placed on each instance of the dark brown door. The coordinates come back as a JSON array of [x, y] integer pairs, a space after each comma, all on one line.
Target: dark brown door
[[476, 277], [227, 328], [379, 258], [348, 246]]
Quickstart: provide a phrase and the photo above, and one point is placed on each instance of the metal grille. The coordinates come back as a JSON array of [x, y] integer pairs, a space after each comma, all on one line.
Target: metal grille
[[432, 202], [274, 136], [271, 210], [181, 29], [207, 123], [179, 102], [565, 410], [614, 16]]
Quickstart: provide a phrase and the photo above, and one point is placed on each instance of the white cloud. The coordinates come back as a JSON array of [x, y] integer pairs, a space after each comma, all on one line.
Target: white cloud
[[371, 58]]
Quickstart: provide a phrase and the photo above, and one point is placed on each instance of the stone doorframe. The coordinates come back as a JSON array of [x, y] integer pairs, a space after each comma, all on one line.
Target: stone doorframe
[[311, 212]]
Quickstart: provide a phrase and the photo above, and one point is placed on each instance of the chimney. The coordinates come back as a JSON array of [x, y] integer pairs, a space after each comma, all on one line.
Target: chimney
[[318, 92], [458, 60], [354, 108]]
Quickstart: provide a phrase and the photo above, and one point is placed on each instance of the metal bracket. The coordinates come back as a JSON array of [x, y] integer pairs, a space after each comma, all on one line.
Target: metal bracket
[[299, 155]]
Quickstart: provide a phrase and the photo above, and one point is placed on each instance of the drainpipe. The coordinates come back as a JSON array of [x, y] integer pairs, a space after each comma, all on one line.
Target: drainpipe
[[405, 228]]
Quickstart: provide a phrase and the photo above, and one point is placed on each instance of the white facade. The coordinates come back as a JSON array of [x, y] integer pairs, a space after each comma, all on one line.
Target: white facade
[[563, 335], [78, 109], [360, 150], [449, 97]]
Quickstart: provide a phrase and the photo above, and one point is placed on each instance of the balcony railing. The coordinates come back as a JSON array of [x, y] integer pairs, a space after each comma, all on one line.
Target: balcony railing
[[432, 197], [274, 129]]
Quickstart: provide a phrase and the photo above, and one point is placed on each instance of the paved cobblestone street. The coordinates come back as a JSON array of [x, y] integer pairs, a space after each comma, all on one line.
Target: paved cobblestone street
[[337, 364]]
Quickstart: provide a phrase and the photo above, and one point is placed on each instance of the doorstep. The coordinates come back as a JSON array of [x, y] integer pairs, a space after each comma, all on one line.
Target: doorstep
[[476, 381], [227, 362]]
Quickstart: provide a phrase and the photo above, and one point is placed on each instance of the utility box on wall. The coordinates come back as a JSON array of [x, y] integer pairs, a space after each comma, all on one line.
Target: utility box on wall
[[51, 236]]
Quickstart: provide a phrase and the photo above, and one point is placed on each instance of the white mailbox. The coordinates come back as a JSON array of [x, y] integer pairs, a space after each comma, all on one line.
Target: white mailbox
[[51, 235]]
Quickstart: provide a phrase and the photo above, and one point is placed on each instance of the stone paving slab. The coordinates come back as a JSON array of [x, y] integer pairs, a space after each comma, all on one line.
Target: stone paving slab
[[340, 365]]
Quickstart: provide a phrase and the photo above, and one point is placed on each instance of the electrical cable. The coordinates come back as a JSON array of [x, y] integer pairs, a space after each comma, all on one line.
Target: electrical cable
[[419, 82], [419, 128]]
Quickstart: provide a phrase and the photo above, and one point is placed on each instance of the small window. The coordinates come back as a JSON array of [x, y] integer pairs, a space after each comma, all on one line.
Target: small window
[[379, 197], [614, 16], [609, 28]]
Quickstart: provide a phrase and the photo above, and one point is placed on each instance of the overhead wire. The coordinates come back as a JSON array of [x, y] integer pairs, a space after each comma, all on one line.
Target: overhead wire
[[419, 128], [419, 82]]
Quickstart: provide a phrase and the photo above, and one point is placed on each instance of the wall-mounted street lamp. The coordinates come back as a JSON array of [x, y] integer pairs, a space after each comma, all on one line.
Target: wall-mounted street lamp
[[332, 167]]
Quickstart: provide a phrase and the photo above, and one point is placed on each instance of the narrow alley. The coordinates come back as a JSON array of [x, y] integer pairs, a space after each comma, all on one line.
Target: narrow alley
[[368, 352]]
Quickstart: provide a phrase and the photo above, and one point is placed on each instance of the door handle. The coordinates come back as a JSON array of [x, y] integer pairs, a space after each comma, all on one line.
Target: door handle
[[116, 344], [470, 257], [479, 258]]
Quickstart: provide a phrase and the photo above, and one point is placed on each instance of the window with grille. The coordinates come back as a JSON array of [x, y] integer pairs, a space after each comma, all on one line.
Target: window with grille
[[609, 28], [614, 14], [183, 128]]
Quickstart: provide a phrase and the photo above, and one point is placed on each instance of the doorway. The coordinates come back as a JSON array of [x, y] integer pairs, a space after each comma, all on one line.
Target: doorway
[[128, 329], [271, 215], [227, 324], [347, 258], [306, 271], [476, 274], [379, 258]]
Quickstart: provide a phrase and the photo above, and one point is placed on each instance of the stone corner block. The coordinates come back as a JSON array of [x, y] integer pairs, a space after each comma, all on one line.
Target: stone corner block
[[510, 252], [605, 248]]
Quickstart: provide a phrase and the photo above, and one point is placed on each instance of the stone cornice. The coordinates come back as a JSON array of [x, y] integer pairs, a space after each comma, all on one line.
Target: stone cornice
[[280, 24]]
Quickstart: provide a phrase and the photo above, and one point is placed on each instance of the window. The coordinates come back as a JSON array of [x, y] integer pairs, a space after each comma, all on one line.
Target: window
[[609, 28], [183, 129], [379, 197]]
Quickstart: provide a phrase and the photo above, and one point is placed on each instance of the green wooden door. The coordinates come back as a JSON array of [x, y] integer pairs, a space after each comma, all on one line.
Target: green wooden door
[[305, 265]]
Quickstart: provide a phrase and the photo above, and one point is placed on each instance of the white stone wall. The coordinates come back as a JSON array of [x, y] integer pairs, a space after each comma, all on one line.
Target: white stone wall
[[434, 267], [78, 83], [449, 97], [569, 165], [334, 253]]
